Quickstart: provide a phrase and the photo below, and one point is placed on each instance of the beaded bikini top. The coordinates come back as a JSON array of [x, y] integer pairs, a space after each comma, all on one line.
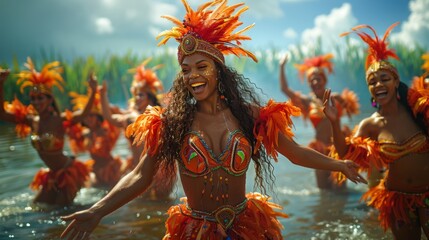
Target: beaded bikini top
[[391, 150], [199, 160]]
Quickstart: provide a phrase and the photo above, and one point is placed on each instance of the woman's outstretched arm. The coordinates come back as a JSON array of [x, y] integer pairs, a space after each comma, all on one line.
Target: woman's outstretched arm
[[128, 188], [307, 157]]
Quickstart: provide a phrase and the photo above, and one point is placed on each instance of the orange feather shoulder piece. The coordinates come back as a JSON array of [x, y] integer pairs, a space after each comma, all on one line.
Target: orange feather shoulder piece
[[20, 112], [147, 130], [274, 118], [418, 97]]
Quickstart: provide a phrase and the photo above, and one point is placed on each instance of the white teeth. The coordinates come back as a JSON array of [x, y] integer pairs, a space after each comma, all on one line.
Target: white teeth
[[196, 84], [381, 92]]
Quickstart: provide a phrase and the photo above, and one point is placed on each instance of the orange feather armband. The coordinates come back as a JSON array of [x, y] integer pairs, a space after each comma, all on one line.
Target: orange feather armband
[[273, 119]]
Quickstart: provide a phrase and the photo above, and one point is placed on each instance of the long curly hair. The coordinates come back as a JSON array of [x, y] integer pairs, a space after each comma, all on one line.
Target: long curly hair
[[240, 97]]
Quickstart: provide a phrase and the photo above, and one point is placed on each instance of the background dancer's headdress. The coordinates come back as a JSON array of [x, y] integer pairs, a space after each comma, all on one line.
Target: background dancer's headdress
[[41, 82], [425, 65], [146, 77], [209, 30], [79, 102], [315, 65], [378, 51]]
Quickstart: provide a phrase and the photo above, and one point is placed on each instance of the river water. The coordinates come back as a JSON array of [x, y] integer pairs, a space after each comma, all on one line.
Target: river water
[[312, 214]]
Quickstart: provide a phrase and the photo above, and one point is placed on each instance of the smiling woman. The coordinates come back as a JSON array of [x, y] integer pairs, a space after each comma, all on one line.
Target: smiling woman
[[393, 137], [212, 128], [59, 183]]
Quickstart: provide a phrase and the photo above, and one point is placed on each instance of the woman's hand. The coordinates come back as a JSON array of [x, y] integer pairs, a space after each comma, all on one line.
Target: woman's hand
[[102, 89], [350, 170], [329, 108], [81, 226], [92, 81], [3, 74], [284, 60]]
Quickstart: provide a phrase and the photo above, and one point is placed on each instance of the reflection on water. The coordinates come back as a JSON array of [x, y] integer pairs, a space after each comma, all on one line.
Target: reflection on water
[[312, 214]]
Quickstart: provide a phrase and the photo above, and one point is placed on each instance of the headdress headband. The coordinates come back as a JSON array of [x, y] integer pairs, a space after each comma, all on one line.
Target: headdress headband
[[209, 31], [378, 51], [41, 82]]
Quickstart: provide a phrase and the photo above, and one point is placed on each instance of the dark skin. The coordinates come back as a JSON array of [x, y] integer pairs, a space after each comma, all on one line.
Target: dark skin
[[52, 124], [317, 83], [391, 123], [214, 119]]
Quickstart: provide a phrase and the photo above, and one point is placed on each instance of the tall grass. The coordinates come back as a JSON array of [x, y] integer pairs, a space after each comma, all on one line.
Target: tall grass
[[348, 67]]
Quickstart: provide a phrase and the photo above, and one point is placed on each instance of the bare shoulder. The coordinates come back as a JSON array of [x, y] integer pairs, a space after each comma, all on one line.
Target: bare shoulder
[[368, 126], [255, 110]]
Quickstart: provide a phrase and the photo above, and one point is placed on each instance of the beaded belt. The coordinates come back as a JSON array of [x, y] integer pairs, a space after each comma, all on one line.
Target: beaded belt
[[224, 215]]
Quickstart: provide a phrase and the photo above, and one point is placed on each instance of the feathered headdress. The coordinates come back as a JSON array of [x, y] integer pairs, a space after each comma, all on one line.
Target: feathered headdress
[[79, 102], [41, 82], [146, 77], [425, 65], [315, 65], [209, 30], [378, 51]]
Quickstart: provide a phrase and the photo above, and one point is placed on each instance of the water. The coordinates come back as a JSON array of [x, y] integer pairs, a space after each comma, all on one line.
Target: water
[[312, 214]]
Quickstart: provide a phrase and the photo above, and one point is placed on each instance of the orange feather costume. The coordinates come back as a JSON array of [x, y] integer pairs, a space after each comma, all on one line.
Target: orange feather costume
[[74, 174], [209, 31], [392, 205], [99, 144]]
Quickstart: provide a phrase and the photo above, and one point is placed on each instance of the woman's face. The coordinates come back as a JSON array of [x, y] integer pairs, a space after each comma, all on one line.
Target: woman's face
[[141, 97], [317, 83], [200, 76], [40, 102], [382, 86]]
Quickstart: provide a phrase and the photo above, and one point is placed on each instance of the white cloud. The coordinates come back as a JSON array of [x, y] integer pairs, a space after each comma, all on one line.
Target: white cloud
[[328, 27], [108, 3], [290, 33], [416, 28], [161, 9], [262, 9], [103, 26]]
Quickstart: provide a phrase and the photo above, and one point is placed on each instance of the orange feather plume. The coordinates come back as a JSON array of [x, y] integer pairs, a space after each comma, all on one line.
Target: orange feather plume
[[273, 119], [377, 48], [42, 81], [318, 62], [214, 23], [79, 101], [147, 76]]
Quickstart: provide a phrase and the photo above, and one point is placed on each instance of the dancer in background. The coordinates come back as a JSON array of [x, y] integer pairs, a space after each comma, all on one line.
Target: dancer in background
[[59, 183], [312, 107], [145, 88], [212, 128], [393, 137], [98, 137]]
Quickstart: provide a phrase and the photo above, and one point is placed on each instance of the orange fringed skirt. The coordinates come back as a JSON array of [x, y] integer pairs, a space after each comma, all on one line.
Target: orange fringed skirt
[[68, 180], [256, 219], [108, 174], [394, 205]]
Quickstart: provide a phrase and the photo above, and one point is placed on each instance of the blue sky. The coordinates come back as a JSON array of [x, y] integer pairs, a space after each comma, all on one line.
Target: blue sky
[[82, 27]]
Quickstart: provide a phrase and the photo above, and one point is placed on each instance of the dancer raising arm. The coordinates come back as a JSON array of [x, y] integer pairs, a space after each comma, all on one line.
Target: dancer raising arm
[[315, 70], [212, 128], [59, 183]]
